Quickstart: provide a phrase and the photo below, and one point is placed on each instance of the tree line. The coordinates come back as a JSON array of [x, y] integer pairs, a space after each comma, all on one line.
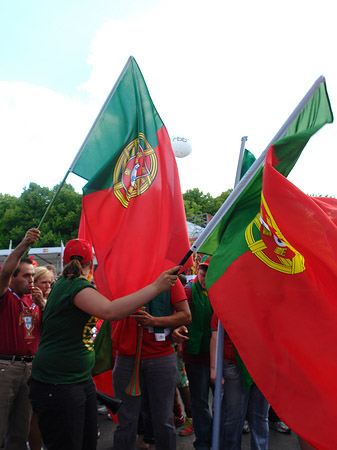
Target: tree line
[[17, 214]]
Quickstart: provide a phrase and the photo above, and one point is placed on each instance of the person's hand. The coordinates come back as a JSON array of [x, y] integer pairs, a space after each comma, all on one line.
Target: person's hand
[[180, 334], [38, 297], [213, 376], [167, 279], [143, 318], [32, 235]]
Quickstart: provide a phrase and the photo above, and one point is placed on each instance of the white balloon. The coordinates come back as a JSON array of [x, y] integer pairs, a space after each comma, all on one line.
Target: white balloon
[[181, 146]]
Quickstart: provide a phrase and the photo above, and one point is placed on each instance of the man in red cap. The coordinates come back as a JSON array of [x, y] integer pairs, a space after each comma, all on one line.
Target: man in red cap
[[196, 356], [20, 318]]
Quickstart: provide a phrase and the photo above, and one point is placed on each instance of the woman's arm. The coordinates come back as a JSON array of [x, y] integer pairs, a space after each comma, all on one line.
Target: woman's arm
[[92, 302]]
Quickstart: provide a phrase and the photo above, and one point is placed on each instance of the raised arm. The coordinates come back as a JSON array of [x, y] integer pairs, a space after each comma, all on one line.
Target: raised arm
[[92, 302], [13, 259]]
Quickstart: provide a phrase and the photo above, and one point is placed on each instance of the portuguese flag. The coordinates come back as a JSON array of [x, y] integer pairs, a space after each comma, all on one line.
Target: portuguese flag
[[133, 210], [272, 282]]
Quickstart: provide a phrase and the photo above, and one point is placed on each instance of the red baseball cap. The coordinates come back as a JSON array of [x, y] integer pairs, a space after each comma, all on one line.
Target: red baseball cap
[[78, 247], [205, 260]]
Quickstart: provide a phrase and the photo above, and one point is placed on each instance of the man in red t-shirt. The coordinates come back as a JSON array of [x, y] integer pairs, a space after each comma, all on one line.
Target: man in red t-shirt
[[157, 372], [20, 323]]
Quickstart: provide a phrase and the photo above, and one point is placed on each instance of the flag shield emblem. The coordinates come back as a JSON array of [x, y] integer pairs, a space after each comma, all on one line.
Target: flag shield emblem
[[135, 170], [267, 243]]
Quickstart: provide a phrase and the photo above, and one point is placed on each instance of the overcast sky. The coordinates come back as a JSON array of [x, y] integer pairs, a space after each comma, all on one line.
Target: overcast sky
[[216, 71]]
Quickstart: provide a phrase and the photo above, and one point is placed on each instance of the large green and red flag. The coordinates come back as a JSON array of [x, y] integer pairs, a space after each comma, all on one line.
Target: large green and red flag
[[272, 282], [133, 210]]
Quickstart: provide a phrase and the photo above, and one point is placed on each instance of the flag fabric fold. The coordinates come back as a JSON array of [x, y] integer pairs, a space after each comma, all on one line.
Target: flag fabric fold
[[272, 282]]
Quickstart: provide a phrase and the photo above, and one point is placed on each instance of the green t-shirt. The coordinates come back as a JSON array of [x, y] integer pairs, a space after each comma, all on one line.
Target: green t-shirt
[[66, 351]]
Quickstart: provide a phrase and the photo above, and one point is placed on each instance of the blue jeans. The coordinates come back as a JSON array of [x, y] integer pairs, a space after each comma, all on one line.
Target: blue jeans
[[158, 378], [200, 383], [237, 402]]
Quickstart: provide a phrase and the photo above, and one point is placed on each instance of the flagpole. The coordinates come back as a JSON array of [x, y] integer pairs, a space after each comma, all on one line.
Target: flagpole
[[246, 179], [78, 154], [53, 199], [220, 341], [218, 388], [242, 151]]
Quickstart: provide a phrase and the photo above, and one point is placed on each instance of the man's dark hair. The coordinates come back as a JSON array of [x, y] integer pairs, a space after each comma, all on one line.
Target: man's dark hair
[[22, 261]]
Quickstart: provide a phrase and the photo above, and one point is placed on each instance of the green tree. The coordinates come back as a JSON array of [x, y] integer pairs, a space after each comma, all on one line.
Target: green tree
[[196, 202], [26, 211]]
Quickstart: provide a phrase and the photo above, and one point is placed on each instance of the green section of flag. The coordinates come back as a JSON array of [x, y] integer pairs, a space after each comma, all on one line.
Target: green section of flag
[[127, 112], [316, 113], [103, 350], [247, 160]]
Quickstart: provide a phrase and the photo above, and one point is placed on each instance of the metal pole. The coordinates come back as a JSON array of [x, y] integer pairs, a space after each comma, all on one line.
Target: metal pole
[[220, 342], [53, 199], [239, 168], [218, 388]]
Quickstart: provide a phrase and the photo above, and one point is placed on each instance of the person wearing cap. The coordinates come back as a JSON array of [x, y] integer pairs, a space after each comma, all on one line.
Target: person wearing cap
[[20, 318], [61, 388], [196, 344]]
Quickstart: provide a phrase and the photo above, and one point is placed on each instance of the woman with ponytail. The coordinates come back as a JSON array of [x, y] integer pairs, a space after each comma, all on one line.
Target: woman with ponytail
[[61, 389]]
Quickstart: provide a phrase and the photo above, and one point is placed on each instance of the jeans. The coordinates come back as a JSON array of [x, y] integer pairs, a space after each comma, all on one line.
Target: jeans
[[15, 408], [158, 377], [200, 383], [237, 403], [67, 414]]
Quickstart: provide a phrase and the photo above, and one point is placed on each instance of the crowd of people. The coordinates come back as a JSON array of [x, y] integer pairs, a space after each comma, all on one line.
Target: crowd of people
[[164, 336]]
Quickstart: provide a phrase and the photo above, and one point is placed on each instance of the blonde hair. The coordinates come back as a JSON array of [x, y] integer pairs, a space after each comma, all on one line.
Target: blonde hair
[[40, 271]]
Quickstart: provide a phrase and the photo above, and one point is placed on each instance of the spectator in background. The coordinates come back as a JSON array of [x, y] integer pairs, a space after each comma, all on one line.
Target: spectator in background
[[157, 370], [183, 389], [196, 356], [52, 269], [43, 278], [20, 319]]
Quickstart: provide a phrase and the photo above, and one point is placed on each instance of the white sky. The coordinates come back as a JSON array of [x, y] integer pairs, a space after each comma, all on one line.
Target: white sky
[[216, 71]]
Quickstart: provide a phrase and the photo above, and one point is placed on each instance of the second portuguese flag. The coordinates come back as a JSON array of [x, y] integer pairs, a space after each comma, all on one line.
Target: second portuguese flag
[[272, 283], [132, 204]]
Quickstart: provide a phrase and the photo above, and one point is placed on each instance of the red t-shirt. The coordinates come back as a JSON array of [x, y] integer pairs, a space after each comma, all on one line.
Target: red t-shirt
[[20, 325], [228, 350], [128, 332]]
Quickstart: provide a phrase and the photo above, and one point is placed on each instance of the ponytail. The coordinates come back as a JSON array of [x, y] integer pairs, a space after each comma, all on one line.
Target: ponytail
[[73, 269]]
